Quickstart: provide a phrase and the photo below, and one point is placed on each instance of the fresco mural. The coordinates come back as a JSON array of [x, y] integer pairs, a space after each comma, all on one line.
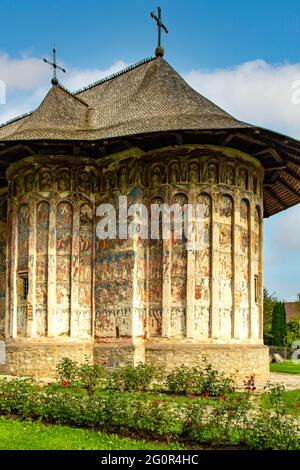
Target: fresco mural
[[225, 266], [155, 281], [23, 258], [256, 254], [244, 268], [85, 270], [3, 232], [64, 226], [114, 264], [203, 274], [115, 289], [42, 240], [178, 276]]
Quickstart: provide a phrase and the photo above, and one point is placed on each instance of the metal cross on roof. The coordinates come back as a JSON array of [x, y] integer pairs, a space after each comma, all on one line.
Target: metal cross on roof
[[54, 66], [159, 51]]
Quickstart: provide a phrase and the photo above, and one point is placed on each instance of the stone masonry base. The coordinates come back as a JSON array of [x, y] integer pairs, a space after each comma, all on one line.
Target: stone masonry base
[[39, 358]]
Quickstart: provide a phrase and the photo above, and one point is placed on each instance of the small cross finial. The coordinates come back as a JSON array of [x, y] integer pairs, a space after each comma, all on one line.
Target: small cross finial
[[159, 51], [54, 66]]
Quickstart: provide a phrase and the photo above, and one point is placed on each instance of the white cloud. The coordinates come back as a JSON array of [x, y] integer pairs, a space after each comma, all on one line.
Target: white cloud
[[28, 79], [79, 78], [285, 231], [256, 92], [22, 74]]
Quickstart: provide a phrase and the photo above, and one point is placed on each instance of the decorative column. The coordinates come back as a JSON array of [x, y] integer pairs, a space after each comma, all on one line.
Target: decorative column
[[260, 278], [236, 269], [190, 288], [215, 267], [166, 288], [138, 305], [252, 305], [9, 251], [13, 274]]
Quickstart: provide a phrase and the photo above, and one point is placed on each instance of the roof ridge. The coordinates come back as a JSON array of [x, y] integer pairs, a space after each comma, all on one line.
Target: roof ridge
[[88, 87], [22, 116], [17, 118], [72, 94], [115, 75]]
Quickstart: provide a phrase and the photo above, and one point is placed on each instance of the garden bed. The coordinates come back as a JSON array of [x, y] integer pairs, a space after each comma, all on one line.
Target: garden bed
[[192, 407]]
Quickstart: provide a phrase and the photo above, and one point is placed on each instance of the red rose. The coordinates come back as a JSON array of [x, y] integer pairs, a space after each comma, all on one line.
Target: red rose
[[65, 383]]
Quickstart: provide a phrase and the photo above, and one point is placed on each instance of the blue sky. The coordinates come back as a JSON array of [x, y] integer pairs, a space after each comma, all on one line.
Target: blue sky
[[242, 55], [203, 34]]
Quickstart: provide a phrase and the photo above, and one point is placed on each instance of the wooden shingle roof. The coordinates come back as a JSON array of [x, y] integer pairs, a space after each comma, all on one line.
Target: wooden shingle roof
[[151, 99]]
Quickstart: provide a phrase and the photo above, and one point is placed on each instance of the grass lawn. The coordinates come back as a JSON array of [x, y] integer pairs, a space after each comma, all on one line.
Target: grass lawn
[[287, 367], [291, 399], [26, 435]]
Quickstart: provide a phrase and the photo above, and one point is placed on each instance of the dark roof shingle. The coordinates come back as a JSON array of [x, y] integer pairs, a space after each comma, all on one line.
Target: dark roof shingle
[[151, 97]]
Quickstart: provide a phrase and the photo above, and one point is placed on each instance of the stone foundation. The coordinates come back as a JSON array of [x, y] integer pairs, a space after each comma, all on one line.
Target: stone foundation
[[39, 358], [114, 353], [239, 360]]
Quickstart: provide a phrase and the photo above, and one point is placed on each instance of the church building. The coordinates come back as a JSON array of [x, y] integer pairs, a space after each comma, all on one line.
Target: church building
[[143, 133]]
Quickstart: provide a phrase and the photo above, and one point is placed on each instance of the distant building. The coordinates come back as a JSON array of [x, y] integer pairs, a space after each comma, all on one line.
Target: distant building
[[292, 310]]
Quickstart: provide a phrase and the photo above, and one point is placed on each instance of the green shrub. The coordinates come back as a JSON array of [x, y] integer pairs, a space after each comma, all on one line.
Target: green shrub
[[228, 420], [273, 428], [17, 396], [268, 431], [232, 420], [224, 423], [131, 378], [86, 375], [67, 370], [89, 376], [199, 381]]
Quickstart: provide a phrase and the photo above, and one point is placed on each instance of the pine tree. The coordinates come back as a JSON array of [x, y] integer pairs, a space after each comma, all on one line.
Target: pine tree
[[278, 324], [283, 323], [269, 302]]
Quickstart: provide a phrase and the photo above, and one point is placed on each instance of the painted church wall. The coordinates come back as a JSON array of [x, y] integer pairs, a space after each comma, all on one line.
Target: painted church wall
[[226, 222], [155, 281], [3, 242], [139, 288], [22, 268], [256, 254], [64, 225], [244, 310], [42, 241], [178, 275], [203, 260]]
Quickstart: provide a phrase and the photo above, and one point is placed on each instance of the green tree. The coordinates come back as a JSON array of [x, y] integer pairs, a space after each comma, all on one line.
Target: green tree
[[283, 322], [269, 302], [279, 324]]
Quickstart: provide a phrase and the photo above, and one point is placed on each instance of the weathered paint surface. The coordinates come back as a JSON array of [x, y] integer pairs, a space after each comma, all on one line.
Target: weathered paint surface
[[136, 291], [42, 234], [3, 241], [64, 224]]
